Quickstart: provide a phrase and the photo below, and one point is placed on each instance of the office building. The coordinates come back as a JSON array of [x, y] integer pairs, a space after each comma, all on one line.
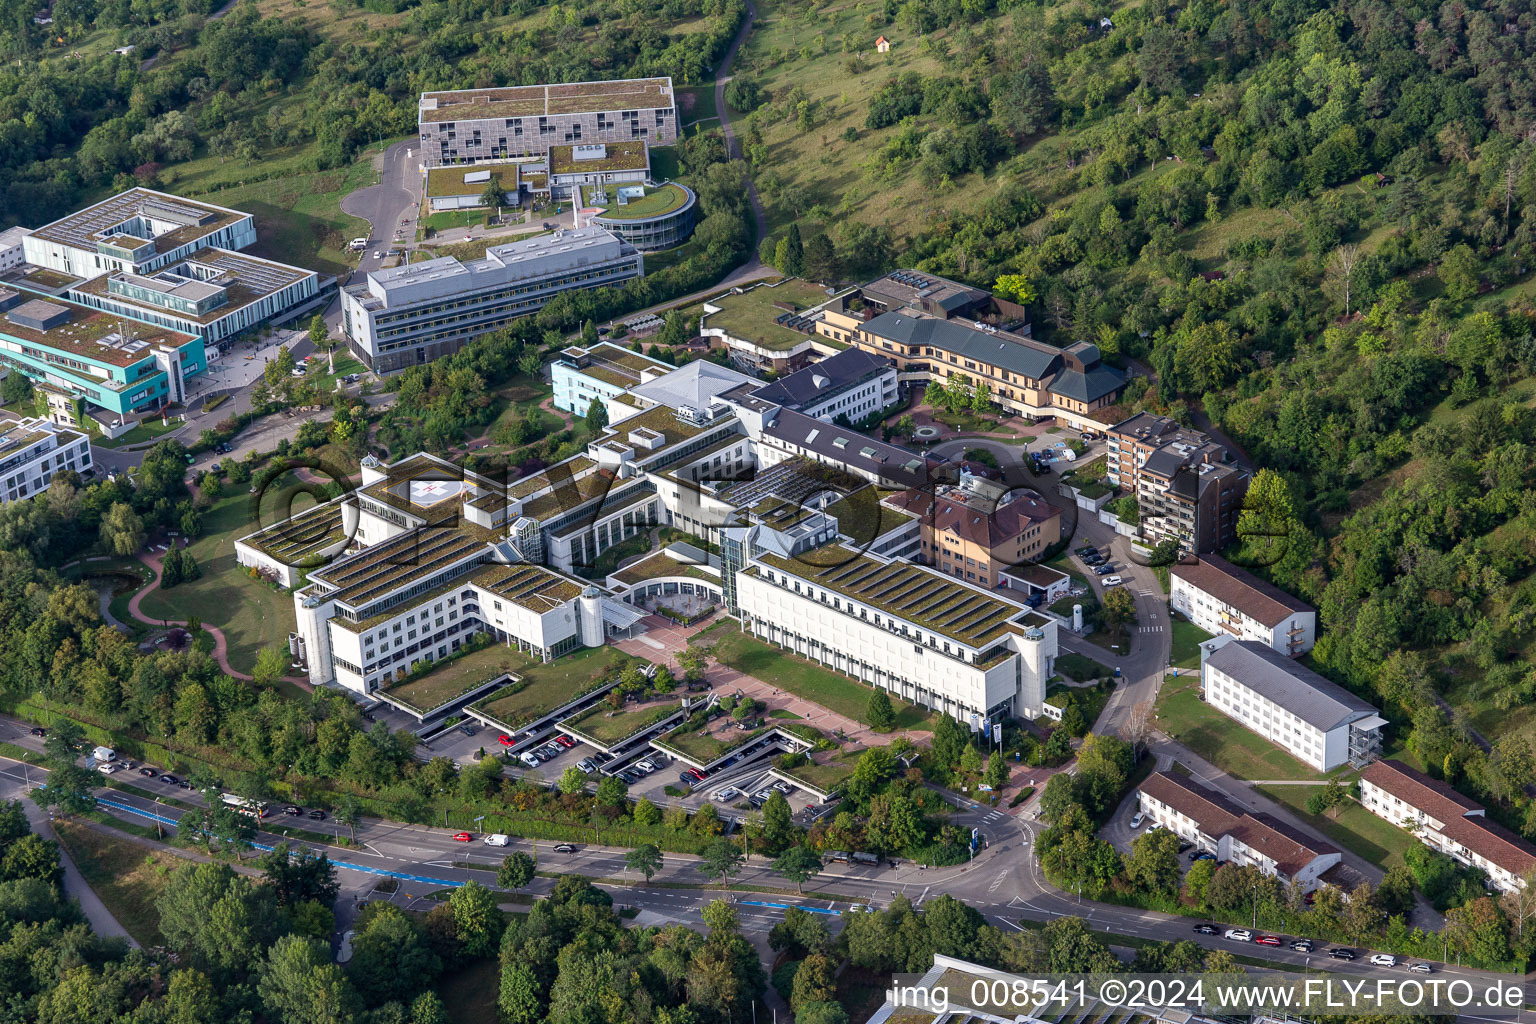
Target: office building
[[412, 314], [924, 293], [463, 188], [595, 165], [12, 251], [1184, 485], [32, 451], [603, 372], [1316, 721], [102, 364], [1221, 598], [138, 232], [851, 384], [1200, 815], [646, 216], [1446, 822], [977, 535], [469, 126]]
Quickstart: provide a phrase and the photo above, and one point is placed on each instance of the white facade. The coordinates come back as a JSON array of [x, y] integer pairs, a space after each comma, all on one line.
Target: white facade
[[12, 252], [856, 403], [32, 450], [151, 230], [603, 372], [1304, 741], [1223, 602]]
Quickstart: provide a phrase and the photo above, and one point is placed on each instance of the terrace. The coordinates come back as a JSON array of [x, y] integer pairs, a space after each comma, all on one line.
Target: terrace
[[927, 599], [617, 156], [750, 316]]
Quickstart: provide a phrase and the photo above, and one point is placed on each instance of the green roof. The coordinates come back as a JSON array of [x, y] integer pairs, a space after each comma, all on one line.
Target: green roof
[[657, 202], [750, 316], [449, 181]]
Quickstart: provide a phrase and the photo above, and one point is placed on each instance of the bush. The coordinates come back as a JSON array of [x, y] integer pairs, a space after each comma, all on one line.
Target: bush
[[1023, 794]]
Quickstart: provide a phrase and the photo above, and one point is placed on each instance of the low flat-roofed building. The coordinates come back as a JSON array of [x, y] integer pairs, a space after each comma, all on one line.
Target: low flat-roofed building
[[1313, 719], [1446, 821], [32, 451], [138, 231], [1205, 817], [115, 364], [1219, 597], [602, 372], [471, 126], [214, 294], [647, 216], [925, 293], [415, 313], [605, 164], [463, 188], [853, 384]]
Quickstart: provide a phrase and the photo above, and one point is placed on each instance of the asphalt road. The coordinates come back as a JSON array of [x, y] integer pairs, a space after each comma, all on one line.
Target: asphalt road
[[390, 205]]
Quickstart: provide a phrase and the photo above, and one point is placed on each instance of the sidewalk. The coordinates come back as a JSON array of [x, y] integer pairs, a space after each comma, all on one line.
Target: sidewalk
[[96, 912]]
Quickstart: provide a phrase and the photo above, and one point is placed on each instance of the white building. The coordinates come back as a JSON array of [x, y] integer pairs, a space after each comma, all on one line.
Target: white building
[[138, 231], [32, 450], [1446, 821], [1200, 815], [12, 252], [414, 313], [1220, 598], [603, 372], [1312, 719], [852, 384]]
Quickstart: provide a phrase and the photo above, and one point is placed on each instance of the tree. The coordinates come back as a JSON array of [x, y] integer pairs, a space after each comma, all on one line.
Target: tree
[[16, 389], [122, 531], [271, 665], [31, 856], [610, 792], [349, 813], [493, 194], [1153, 864], [572, 780], [597, 416], [518, 996], [981, 398], [69, 790], [778, 823], [821, 1013], [300, 876], [815, 981], [64, 741], [821, 262], [644, 859], [1014, 288], [1340, 271], [477, 918], [879, 712], [517, 870], [319, 334], [391, 956], [797, 864], [790, 258], [798, 933], [1117, 607], [217, 920], [299, 985], [720, 860]]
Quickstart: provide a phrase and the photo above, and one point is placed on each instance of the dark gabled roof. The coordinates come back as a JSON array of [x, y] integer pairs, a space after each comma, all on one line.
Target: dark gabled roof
[[1263, 602], [980, 522], [1164, 462], [1292, 686], [1087, 387], [896, 466], [846, 369], [1027, 358], [1217, 816], [1432, 796]]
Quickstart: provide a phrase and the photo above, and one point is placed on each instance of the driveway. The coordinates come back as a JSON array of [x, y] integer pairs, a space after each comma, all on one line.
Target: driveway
[[391, 204]]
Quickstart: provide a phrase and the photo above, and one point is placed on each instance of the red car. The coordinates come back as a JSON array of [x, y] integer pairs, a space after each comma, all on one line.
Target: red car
[[505, 741], [565, 741], [699, 774], [1268, 940], [463, 837]]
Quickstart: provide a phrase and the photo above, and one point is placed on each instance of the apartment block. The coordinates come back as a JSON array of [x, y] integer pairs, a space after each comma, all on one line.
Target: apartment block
[[412, 314], [974, 535], [852, 384], [1205, 817], [1184, 485], [1314, 720], [602, 373], [32, 451], [1221, 598], [1446, 821], [469, 126]]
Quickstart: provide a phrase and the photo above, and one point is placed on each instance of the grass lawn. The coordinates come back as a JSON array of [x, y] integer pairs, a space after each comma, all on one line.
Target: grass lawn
[[750, 315], [803, 678], [127, 877], [147, 430], [828, 775], [696, 103], [251, 613], [608, 726], [455, 677], [714, 741], [1187, 638], [444, 220], [1355, 828], [542, 688], [1220, 740], [1081, 668]]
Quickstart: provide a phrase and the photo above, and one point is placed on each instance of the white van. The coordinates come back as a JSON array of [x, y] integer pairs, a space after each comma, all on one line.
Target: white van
[[496, 839], [104, 754], [358, 244]]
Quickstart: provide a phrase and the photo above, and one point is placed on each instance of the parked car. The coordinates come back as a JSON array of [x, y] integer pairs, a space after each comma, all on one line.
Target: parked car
[[1205, 929], [463, 837], [645, 766], [629, 777], [38, 731], [728, 793], [784, 787], [1302, 945], [565, 848], [1239, 935], [505, 741], [184, 784], [467, 729], [148, 773], [1105, 569], [292, 811], [107, 769], [586, 766], [169, 778], [1268, 940], [1136, 820], [1183, 847], [763, 794], [565, 741], [316, 815], [1112, 581], [1340, 953], [528, 759], [1195, 855], [686, 778], [699, 773], [1383, 960], [1421, 969], [1087, 549]]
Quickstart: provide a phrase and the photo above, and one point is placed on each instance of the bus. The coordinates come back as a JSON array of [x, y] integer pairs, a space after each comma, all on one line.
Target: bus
[[250, 808]]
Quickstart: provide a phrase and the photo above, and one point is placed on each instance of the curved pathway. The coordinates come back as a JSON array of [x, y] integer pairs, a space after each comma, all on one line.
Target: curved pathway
[[220, 644], [732, 149]]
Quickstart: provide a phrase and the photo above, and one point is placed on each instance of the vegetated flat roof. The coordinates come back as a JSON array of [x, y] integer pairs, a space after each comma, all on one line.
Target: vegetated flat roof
[[449, 181], [661, 419], [569, 495], [97, 335], [384, 567], [602, 723], [295, 540], [533, 100], [541, 688], [929, 600], [452, 678], [617, 156], [84, 228], [560, 472], [529, 586], [657, 202], [659, 565], [750, 316]]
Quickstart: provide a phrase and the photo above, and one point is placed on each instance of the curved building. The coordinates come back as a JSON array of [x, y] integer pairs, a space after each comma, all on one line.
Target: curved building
[[647, 217]]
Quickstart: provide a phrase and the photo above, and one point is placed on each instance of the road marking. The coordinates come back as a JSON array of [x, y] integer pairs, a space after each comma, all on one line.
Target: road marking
[[923, 896]]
